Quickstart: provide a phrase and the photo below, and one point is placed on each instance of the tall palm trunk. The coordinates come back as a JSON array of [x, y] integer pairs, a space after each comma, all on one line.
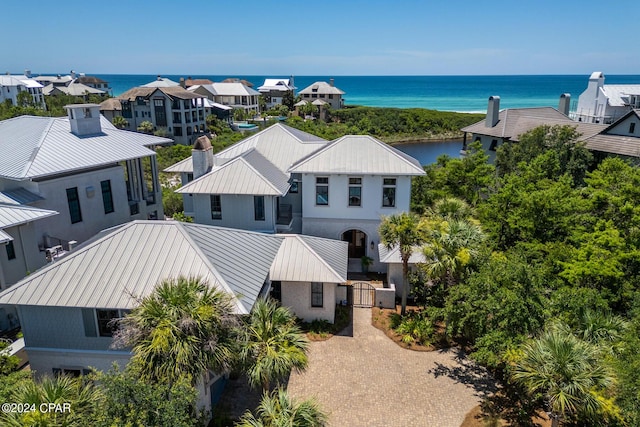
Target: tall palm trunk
[[405, 286]]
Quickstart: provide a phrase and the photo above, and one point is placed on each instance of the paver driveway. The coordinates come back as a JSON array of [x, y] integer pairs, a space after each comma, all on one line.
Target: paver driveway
[[368, 380]]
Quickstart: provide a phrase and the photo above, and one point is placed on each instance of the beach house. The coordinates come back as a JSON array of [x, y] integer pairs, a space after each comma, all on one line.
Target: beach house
[[66, 308], [274, 90], [323, 91], [177, 112], [12, 85], [235, 95], [601, 103], [285, 180], [94, 175]]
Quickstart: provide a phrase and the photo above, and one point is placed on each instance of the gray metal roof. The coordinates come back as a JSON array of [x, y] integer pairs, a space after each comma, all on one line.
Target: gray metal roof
[[12, 215], [227, 89], [4, 237], [359, 154], [392, 256], [280, 144], [249, 173], [42, 146], [161, 82], [619, 94], [19, 196], [185, 166], [322, 88], [299, 260], [127, 262]]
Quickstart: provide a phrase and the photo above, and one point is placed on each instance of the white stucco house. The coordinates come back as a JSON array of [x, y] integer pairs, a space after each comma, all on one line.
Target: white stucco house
[[285, 180], [323, 91], [601, 103], [275, 89], [391, 257], [65, 308], [94, 175], [235, 95], [12, 85], [21, 254]]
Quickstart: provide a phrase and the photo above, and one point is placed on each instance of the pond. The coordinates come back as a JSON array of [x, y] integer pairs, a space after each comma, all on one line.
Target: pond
[[427, 152]]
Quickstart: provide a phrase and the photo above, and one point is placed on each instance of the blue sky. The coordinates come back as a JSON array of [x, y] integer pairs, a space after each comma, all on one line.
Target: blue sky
[[332, 37]]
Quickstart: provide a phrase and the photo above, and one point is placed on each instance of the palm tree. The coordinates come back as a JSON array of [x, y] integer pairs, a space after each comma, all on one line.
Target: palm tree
[[77, 400], [185, 327], [278, 410], [449, 247], [566, 371], [405, 231], [272, 344], [451, 208]]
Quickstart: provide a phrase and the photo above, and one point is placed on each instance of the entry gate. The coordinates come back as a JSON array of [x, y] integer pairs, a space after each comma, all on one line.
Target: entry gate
[[362, 294]]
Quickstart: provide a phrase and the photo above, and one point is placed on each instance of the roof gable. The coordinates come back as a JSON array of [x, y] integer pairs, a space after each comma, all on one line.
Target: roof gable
[[247, 174], [359, 154], [298, 260]]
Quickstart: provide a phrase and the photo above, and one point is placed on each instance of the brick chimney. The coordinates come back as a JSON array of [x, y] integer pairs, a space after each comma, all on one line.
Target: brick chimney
[[493, 111]]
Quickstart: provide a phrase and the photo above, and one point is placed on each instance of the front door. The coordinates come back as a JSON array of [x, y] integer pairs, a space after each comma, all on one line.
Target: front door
[[357, 243]]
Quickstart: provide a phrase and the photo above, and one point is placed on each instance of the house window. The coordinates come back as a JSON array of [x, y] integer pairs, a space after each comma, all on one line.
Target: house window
[[106, 326], [107, 196], [355, 191], [126, 110], [294, 187], [216, 206], [389, 192], [632, 127], [276, 290], [258, 208], [74, 205], [494, 145], [11, 250], [316, 294], [177, 131], [322, 191], [161, 114], [189, 177]]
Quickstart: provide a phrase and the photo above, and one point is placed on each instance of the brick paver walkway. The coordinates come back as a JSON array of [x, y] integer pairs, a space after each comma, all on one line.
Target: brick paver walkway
[[367, 380]]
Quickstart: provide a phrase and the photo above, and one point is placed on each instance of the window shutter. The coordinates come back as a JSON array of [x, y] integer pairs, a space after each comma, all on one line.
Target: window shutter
[[89, 321]]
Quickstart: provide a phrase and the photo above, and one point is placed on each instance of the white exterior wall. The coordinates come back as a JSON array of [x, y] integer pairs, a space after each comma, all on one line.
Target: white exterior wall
[[394, 275], [237, 212], [334, 228], [486, 142], [28, 257], [91, 206], [338, 207], [11, 93], [297, 296]]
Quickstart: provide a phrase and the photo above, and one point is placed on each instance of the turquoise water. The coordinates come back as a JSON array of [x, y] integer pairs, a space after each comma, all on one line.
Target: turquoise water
[[446, 93]]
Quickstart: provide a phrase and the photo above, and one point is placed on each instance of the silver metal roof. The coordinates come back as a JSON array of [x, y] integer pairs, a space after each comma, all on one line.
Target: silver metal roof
[[619, 94], [249, 174], [12, 215], [227, 89], [280, 144], [4, 237], [322, 88], [299, 260], [392, 256], [359, 154], [127, 262], [19, 196], [185, 166], [41, 146]]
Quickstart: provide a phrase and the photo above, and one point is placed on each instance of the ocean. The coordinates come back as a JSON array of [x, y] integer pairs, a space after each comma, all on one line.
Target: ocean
[[445, 93]]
